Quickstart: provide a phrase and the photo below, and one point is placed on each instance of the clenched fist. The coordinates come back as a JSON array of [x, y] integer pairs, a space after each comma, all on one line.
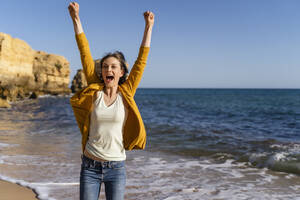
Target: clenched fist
[[149, 18], [74, 10]]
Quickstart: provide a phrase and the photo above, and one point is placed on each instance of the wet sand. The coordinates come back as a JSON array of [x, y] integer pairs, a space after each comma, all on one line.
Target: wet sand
[[11, 191]]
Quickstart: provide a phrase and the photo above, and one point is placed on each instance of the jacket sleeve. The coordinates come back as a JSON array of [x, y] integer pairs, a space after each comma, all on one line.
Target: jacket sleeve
[[86, 59], [137, 70]]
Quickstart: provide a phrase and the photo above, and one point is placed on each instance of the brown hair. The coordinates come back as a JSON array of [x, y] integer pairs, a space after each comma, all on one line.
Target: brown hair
[[120, 57]]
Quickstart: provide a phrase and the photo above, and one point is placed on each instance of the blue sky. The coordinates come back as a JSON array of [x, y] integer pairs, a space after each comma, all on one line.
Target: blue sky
[[195, 43]]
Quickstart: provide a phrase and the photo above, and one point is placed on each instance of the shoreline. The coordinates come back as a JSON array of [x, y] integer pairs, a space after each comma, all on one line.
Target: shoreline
[[11, 191]]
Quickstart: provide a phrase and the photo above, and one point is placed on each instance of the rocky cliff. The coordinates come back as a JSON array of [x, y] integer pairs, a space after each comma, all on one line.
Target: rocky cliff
[[79, 81], [24, 70]]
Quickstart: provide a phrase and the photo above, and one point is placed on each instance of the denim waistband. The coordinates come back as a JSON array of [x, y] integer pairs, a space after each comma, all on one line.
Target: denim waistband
[[88, 162]]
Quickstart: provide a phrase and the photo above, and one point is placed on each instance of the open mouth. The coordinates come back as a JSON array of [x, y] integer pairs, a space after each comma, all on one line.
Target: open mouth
[[109, 78]]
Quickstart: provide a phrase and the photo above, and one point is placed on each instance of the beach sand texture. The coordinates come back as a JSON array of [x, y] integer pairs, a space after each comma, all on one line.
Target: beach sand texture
[[11, 191]]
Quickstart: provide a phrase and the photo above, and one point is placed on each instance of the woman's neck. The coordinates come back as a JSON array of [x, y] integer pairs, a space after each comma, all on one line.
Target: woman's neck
[[111, 91]]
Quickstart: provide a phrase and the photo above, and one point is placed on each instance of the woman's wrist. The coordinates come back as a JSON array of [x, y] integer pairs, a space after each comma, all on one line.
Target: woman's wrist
[[77, 26], [148, 26], [76, 19]]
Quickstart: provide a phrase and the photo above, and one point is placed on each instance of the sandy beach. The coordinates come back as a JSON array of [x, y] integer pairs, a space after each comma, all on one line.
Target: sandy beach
[[11, 191]]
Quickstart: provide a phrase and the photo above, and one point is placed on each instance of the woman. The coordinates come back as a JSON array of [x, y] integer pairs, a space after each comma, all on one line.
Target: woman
[[107, 115]]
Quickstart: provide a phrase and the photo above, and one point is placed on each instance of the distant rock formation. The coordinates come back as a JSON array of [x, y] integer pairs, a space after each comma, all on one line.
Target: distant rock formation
[[24, 70], [79, 80]]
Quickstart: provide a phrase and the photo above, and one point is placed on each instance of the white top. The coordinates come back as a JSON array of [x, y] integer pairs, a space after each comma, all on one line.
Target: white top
[[106, 129]]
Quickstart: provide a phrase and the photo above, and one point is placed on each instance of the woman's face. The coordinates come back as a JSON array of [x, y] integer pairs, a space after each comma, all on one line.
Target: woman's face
[[111, 71]]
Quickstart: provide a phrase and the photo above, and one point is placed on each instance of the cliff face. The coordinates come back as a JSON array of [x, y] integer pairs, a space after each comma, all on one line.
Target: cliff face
[[51, 73], [16, 59], [79, 81], [24, 70]]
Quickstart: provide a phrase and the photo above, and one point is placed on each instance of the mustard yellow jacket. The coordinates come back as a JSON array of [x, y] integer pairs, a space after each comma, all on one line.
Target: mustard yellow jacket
[[134, 135]]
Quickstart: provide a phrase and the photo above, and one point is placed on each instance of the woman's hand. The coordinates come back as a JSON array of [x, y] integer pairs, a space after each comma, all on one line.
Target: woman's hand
[[149, 18], [74, 13], [74, 10]]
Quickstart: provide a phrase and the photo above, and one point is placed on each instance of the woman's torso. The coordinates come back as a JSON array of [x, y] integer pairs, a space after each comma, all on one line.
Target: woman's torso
[[105, 140]]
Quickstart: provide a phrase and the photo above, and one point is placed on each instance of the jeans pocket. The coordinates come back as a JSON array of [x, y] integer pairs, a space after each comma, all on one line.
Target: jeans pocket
[[85, 164]]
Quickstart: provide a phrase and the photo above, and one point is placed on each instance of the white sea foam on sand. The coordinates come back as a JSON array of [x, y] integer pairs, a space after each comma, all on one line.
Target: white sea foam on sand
[[152, 175], [4, 145], [171, 177], [42, 189]]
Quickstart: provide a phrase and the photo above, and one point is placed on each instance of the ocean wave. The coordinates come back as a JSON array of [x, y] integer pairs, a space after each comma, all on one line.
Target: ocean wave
[[284, 158]]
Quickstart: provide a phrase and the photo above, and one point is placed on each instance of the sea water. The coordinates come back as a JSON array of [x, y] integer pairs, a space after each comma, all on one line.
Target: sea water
[[201, 144]]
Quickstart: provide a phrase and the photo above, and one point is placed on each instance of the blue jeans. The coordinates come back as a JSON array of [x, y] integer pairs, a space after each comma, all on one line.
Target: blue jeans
[[93, 173]]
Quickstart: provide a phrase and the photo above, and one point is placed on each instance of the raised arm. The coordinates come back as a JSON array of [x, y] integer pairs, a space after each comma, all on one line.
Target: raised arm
[[149, 22], [74, 13], [137, 70], [83, 45]]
